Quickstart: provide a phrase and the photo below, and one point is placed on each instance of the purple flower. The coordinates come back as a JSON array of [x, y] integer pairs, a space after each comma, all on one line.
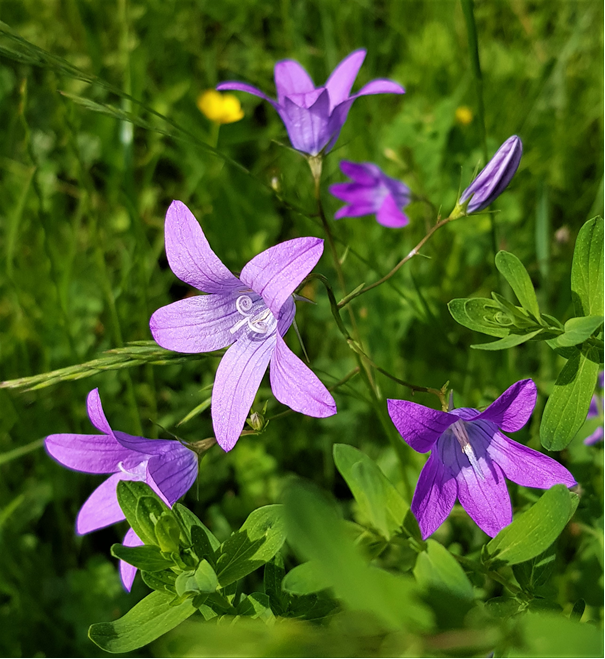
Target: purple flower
[[470, 458], [313, 115], [595, 410], [167, 466], [251, 314], [372, 191], [494, 178]]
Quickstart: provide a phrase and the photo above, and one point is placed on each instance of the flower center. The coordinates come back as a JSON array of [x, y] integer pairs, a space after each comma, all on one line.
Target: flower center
[[136, 473], [256, 315], [461, 435]]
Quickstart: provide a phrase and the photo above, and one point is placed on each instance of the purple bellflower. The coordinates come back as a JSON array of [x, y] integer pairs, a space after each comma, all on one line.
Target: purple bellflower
[[371, 192], [494, 178], [167, 466], [470, 457], [313, 115], [595, 410], [250, 313]]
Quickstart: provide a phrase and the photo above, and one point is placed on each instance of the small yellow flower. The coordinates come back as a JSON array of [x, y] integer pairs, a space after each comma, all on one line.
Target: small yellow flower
[[220, 108], [464, 115]]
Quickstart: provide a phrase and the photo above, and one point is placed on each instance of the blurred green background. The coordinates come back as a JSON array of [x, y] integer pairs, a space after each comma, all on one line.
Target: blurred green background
[[82, 264]]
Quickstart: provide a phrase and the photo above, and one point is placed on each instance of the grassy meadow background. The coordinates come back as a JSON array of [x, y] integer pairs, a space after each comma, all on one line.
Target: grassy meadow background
[[82, 264]]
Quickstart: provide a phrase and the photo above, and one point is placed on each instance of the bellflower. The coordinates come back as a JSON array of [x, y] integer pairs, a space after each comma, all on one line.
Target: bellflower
[[313, 115], [595, 410], [494, 178], [371, 192], [470, 457], [250, 314], [167, 466]]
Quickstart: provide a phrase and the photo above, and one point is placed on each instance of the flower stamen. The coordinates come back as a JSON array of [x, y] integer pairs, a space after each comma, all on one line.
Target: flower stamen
[[465, 444]]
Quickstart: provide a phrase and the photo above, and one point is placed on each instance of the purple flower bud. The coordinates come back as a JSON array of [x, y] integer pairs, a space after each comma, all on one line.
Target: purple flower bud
[[494, 178]]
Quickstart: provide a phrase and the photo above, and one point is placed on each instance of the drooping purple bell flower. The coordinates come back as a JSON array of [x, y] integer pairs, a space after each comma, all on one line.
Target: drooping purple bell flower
[[167, 466], [314, 116], [250, 314], [595, 410], [371, 192], [470, 458], [494, 178]]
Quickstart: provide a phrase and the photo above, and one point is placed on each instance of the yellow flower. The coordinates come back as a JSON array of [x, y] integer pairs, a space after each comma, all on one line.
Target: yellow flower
[[464, 115], [220, 108]]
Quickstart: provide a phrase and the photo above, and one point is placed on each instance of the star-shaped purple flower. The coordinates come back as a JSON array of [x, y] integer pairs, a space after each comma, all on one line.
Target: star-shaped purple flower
[[595, 410], [470, 458], [167, 466], [250, 313], [494, 178], [371, 192], [313, 115]]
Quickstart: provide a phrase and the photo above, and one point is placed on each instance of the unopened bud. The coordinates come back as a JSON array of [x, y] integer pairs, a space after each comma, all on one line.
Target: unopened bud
[[256, 421]]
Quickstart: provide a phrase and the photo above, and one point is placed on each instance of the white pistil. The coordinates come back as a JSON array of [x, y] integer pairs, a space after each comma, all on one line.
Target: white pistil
[[462, 436], [257, 323]]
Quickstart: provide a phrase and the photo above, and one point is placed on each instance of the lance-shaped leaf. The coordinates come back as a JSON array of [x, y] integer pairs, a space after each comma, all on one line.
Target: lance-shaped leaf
[[514, 272], [479, 314], [509, 341], [587, 270], [436, 569], [146, 557], [578, 330]]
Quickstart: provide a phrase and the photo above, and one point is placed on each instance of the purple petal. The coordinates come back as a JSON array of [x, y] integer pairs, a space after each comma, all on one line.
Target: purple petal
[[93, 454], [190, 256], [483, 495], [342, 78], [419, 426], [390, 215], [95, 412], [237, 380], [593, 410], [511, 410], [520, 464], [127, 571], [286, 316], [296, 386], [364, 200], [291, 78], [195, 324], [143, 447], [101, 508], [345, 211], [364, 173], [380, 86], [276, 273], [174, 472], [308, 127], [435, 495], [233, 85], [595, 437]]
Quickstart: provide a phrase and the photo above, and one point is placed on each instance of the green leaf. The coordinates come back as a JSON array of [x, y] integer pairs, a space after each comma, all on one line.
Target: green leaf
[[167, 532], [258, 540], [502, 607], [514, 272], [509, 341], [146, 621], [163, 581], [567, 406], [272, 581], [202, 546], [436, 569], [205, 577], [379, 502], [189, 521], [478, 314], [577, 330], [306, 579], [149, 511], [534, 531], [587, 270], [147, 557], [536, 572], [255, 605], [129, 494], [186, 584]]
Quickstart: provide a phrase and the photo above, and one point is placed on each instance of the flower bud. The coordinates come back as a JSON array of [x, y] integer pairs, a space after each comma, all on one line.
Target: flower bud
[[494, 177], [256, 421]]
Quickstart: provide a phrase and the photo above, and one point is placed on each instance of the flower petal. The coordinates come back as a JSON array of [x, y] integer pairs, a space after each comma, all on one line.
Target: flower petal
[[143, 447], [127, 571], [102, 507], [235, 86], [174, 472], [435, 495], [511, 410], [295, 385], [419, 426], [342, 78], [521, 464], [390, 215], [92, 454], [595, 437], [291, 78], [364, 200], [364, 173], [190, 256], [95, 412], [308, 127], [484, 496], [275, 273], [195, 324], [380, 86], [237, 380]]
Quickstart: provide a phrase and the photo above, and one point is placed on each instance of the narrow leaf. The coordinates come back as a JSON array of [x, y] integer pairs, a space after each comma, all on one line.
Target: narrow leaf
[[577, 330], [514, 272], [587, 270], [509, 341], [478, 314], [437, 570], [147, 557]]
